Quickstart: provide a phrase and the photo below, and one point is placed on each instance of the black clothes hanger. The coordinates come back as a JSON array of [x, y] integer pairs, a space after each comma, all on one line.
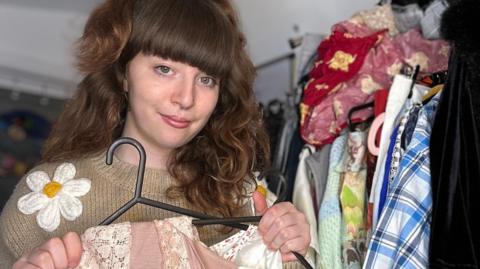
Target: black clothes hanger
[[235, 222], [414, 79], [351, 125], [138, 189], [281, 197]]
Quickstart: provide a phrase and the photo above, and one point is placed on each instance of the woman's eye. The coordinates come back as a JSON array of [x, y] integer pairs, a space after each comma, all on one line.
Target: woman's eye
[[164, 69], [208, 81]]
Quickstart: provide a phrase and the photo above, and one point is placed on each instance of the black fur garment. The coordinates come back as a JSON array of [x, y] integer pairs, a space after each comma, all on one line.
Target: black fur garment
[[455, 146], [461, 26]]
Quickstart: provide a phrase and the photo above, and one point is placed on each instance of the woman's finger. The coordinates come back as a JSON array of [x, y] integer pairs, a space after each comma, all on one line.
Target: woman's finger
[[288, 257], [296, 244], [57, 251], [259, 202], [41, 259], [73, 247], [22, 263], [276, 227], [285, 238], [271, 214]]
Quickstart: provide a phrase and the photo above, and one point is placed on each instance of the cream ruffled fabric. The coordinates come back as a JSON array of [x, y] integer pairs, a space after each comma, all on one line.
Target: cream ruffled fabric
[[176, 245]]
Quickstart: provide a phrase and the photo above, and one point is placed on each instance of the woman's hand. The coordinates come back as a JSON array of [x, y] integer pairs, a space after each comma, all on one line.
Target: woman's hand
[[55, 253], [282, 227]]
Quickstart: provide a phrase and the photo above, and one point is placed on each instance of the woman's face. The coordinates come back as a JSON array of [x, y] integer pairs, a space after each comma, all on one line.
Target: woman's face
[[170, 102]]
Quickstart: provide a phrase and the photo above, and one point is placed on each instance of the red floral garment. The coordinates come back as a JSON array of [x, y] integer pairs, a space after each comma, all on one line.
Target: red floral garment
[[324, 110]]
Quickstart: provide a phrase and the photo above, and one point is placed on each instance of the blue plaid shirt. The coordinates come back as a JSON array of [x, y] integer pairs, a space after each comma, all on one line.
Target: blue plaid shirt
[[401, 237]]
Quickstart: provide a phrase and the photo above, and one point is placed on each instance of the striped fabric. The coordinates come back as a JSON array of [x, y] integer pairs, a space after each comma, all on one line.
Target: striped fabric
[[400, 239]]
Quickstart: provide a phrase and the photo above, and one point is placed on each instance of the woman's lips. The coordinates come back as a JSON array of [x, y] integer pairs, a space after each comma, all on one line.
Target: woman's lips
[[176, 122]]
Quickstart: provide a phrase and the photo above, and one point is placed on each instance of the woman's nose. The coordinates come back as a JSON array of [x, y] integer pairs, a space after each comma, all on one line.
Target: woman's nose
[[184, 93]]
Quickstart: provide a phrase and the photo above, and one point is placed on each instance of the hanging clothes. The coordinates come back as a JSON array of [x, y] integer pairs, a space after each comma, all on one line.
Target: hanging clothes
[[455, 153], [385, 180], [304, 198], [455, 147], [317, 163], [400, 240], [347, 75], [340, 58], [396, 98], [330, 216], [377, 18], [430, 22], [352, 199]]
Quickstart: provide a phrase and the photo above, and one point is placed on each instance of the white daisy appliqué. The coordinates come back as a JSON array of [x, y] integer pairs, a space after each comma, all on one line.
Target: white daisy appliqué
[[55, 196]]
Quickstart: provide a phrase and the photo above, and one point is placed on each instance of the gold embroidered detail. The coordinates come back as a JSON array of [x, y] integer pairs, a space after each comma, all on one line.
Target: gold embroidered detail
[[303, 112], [444, 51], [322, 86], [368, 85], [309, 82], [333, 127], [341, 61], [418, 58], [311, 139], [337, 88], [395, 68], [379, 39], [337, 108]]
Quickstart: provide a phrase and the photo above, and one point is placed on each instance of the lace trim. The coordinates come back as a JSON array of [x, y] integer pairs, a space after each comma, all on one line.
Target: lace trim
[[107, 247], [229, 248], [172, 244]]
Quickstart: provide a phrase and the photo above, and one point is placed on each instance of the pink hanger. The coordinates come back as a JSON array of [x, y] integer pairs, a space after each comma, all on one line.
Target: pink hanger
[[372, 133]]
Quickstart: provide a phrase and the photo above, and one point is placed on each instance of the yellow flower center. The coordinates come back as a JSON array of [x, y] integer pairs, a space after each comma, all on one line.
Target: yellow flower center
[[52, 188], [262, 190]]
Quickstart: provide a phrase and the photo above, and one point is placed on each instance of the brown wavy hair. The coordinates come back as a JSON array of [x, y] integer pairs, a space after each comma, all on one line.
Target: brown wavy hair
[[214, 169]]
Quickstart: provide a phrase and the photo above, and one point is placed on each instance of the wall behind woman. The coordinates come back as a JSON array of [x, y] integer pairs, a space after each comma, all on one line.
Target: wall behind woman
[[37, 35], [269, 24]]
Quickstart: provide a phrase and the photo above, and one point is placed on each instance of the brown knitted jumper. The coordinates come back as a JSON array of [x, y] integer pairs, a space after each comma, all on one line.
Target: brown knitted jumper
[[111, 187]]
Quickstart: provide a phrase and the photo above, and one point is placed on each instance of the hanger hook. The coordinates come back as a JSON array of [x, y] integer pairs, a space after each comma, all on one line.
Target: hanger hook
[[141, 163]]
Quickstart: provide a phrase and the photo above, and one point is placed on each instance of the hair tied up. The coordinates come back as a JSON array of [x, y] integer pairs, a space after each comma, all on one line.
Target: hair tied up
[[106, 33]]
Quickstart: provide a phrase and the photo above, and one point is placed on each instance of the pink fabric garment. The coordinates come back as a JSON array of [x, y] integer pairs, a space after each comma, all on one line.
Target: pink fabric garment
[[384, 60], [145, 251], [340, 57], [171, 243]]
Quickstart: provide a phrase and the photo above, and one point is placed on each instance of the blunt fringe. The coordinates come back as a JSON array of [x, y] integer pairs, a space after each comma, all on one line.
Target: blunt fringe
[[214, 170]]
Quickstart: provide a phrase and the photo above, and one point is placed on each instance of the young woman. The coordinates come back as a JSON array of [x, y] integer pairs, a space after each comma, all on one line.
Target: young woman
[[174, 75]]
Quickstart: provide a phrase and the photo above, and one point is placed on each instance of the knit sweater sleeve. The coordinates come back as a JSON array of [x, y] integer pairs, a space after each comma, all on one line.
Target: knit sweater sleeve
[[19, 233]]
